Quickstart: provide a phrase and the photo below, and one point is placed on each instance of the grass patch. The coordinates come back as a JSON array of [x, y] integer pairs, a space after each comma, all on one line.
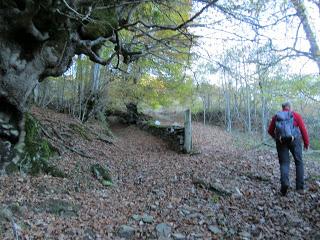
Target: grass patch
[[245, 140], [250, 141]]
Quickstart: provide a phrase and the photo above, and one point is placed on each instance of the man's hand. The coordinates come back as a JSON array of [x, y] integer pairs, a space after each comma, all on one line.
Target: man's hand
[[306, 147]]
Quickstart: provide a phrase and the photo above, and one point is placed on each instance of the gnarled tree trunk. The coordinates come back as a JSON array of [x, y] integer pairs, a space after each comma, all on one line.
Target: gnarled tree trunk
[[34, 43], [19, 74]]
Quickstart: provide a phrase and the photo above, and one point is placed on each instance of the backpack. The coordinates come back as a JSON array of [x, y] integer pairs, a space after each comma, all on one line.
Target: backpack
[[285, 129]]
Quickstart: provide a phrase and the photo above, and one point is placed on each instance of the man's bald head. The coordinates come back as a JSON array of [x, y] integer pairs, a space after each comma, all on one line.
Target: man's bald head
[[286, 106]]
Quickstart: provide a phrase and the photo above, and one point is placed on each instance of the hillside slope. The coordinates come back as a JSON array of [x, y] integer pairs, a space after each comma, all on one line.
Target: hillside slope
[[220, 192]]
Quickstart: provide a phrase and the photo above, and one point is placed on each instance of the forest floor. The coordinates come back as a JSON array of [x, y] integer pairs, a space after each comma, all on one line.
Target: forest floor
[[222, 191]]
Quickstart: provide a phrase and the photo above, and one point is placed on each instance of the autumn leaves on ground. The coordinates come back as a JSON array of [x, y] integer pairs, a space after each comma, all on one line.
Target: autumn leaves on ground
[[221, 191]]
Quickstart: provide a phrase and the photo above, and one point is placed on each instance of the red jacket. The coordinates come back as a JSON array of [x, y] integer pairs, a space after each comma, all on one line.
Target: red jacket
[[298, 122]]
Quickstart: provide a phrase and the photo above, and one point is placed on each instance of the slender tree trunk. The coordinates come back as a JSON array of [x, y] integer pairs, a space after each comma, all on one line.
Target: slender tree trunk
[[317, 3], [95, 78], [248, 97], [314, 46], [36, 94], [228, 104], [204, 111], [263, 110], [62, 86], [249, 109]]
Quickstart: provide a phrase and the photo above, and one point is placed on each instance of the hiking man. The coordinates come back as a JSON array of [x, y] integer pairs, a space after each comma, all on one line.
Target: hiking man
[[287, 128]]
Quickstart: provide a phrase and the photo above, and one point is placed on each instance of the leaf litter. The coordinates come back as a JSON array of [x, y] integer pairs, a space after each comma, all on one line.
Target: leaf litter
[[154, 183]]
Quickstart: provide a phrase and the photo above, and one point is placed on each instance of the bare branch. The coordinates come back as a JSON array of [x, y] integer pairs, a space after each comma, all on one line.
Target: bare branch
[[81, 16]]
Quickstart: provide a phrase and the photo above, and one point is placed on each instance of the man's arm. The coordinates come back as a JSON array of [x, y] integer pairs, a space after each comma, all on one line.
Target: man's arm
[[272, 127], [303, 130]]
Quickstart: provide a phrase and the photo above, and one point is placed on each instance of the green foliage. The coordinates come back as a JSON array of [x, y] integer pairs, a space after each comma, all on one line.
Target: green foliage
[[103, 22], [151, 85], [176, 12]]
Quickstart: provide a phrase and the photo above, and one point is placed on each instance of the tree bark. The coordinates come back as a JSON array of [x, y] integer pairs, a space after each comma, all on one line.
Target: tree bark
[[18, 78], [314, 47], [227, 102]]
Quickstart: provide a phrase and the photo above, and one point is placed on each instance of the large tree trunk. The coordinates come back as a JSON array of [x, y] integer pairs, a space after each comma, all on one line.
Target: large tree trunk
[[27, 55], [18, 77]]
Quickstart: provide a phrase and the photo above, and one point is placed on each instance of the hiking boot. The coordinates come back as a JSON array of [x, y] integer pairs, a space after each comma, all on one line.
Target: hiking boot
[[284, 190], [301, 191]]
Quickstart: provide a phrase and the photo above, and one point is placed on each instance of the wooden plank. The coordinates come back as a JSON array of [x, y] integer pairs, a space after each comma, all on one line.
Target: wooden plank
[[187, 147]]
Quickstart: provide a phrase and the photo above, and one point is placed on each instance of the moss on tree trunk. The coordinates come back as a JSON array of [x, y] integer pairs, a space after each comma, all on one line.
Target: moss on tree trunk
[[35, 153]]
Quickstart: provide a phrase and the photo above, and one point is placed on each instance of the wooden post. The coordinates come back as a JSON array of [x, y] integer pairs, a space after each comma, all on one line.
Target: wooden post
[[187, 147]]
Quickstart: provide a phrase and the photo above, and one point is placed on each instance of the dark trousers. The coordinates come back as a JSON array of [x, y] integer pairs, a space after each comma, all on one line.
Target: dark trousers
[[295, 148]]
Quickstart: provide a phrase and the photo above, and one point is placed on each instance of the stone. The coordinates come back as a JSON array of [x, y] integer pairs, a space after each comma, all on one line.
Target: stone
[[292, 231], [147, 218], [237, 193], [231, 232], [89, 234], [14, 133], [126, 231], [197, 235], [195, 216], [170, 206], [163, 230], [153, 207], [136, 217], [185, 212], [6, 126], [262, 221], [178, 236], [214, 229], [5, 213], [245, 235]]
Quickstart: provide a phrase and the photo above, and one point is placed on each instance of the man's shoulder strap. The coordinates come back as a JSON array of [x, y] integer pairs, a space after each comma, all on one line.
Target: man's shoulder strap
[[282, 115]]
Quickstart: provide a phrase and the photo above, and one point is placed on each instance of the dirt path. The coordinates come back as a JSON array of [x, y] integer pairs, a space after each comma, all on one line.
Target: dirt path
[[155, 194]]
